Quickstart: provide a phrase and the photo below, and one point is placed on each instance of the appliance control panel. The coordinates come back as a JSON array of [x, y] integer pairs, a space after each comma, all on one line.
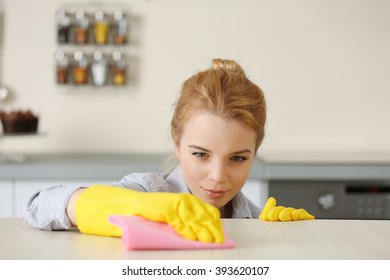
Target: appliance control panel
[[335, 199]]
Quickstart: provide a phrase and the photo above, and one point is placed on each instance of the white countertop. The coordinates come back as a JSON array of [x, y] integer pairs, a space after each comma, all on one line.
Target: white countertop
[[255, 239]]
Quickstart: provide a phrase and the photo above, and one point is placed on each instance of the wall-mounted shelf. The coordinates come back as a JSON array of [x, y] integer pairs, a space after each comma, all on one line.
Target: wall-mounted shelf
[[92, 46], [11, 157], [17, 135]]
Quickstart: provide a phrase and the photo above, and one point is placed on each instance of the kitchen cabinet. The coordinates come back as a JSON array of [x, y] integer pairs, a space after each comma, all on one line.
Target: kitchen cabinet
[[14, 194], [6, 198], [24, 189], [21, 179]]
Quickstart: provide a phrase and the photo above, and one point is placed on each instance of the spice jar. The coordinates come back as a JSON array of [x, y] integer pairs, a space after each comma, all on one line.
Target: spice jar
[[81, 33], [62, 67], [63, 27], [120, 36], [99, 69], [80, 69], [118, 69], [101, 28]]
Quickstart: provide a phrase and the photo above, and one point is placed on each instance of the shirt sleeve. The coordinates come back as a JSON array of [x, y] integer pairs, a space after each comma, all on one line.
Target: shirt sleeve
[[46, 209], [144, 182]]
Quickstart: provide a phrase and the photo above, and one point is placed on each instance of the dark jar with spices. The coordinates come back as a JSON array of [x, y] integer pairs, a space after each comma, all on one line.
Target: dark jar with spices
[[120, 34], [62, 67], [63, 27], [81, 31]]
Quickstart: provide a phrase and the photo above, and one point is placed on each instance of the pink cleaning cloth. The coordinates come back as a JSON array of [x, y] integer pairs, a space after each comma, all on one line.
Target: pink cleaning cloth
[[139, 233]]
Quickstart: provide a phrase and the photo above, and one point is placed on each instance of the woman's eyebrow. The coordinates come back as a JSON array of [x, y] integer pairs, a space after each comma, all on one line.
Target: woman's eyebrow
[[245, 151], [234, 153], [199, 147]]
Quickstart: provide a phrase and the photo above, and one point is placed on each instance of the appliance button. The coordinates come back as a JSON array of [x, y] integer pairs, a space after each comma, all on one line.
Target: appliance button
[[360, 211], [378, 202], [370, 211], [327, 201], [360, 201]]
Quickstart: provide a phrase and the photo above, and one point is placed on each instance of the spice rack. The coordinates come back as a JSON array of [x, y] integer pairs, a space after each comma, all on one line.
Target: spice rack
[[92, 44]]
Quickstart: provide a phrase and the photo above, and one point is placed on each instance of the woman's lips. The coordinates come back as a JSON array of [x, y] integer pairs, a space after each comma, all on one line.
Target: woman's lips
[[214, 193]]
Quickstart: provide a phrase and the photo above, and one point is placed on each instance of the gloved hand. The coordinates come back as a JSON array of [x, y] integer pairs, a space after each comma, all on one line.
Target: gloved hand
[[192, 218], [271, 212]]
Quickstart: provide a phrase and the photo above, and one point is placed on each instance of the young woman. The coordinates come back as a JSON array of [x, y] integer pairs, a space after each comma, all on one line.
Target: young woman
[[217, 128]]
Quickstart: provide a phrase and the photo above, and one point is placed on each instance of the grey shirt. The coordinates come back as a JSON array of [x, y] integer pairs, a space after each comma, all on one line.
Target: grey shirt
[[46, 209]]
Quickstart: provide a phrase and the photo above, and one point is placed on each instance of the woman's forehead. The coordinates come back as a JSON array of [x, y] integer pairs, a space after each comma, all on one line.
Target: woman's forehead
[[213, 132]]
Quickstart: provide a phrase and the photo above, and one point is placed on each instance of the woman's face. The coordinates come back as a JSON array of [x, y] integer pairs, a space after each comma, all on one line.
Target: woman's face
[[216, 156]]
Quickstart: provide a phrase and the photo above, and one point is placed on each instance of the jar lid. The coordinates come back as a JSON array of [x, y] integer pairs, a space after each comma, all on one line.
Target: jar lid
[[99, 15], [78, 55], [61, 57], [80, 15], [61, 13], [117, 55], [118, 15], [97, 55], [63, 18]]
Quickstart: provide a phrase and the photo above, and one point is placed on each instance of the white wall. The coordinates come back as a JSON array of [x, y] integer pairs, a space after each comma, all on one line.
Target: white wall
[[324, 66]]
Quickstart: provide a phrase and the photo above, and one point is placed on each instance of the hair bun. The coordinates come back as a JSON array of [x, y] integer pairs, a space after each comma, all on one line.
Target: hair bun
[[226, 65]]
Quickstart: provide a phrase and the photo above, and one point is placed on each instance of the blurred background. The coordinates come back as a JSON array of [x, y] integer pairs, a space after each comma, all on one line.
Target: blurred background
[[324, 67]]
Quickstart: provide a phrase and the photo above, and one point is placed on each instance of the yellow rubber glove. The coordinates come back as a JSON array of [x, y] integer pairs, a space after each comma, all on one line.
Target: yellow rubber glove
[[192, 218], [271, 212]]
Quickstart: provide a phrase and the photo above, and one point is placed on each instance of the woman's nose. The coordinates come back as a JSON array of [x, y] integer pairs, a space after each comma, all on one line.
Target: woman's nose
[[217, 171]]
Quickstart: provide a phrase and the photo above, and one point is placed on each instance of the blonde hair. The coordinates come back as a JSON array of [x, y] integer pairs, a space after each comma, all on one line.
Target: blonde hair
[[223, 90]]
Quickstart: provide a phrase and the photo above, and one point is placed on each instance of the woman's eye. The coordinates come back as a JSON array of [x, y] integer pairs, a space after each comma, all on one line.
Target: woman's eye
[[239, 159], [201, 155]]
